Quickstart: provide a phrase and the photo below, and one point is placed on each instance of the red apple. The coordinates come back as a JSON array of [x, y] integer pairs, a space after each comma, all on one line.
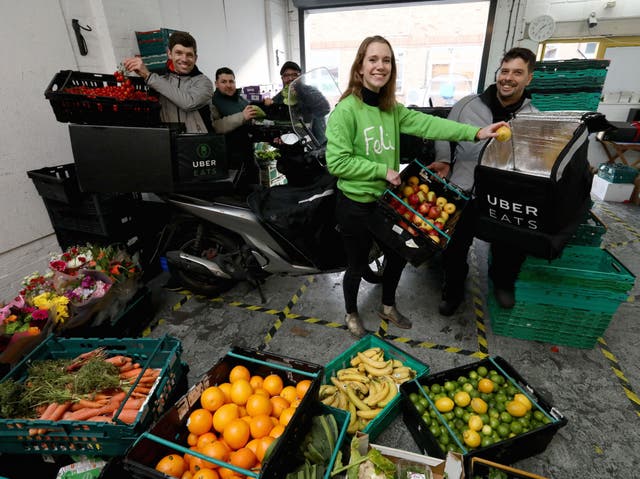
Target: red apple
[[414, 199], [438, 225], [434, 212], [423, 209], [401, 209], [408, 215]]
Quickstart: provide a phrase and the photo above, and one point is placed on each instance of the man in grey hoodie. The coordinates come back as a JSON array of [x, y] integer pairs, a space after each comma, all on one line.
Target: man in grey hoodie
[[185, 92], [499, 102]]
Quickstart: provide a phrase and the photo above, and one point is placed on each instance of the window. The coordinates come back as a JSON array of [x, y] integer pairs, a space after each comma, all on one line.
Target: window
[[569, 50], [439, 46]]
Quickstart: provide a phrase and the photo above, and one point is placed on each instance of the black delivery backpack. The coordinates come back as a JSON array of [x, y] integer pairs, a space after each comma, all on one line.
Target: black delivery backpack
[[534, 190]]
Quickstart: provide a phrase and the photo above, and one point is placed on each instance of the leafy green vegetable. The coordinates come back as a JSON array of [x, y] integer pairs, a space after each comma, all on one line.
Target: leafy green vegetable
[[381, 464], [259, 112], [11, 403]]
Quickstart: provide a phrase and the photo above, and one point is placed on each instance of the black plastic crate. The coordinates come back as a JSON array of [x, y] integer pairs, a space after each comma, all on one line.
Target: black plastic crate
[[169, 434], [482, 469], [58, 183], [506, 451], [67, 238], [395, 221], [77, 108], [115, 223]]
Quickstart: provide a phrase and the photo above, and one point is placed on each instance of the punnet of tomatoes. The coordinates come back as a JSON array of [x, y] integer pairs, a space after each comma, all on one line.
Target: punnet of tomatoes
[[124, 89]]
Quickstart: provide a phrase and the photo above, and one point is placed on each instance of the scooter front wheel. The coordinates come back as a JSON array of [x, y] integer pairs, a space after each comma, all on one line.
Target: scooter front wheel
[[212, 245]]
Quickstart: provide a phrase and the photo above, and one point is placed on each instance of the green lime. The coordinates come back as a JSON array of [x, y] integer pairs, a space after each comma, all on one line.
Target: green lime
[[485, 418], [468, 387], [501, 407], [493, 372], [486, 397], [486, 441], [546, 420], [511, 390], [435, 388], [451, 394], [425, 388], [458, 411], [449, 416], [499, 380], [538, 415], [450, 386], [493, 422], [473, 375], [525, 421], [459, 424], [466, 416], [506, 417], [423, 400], [503, 430], [414, 397], [474, 393], [516, 427], [482, 371], [462, 379], [432, 413], [487, 430], [427, 419], [444, 440], [500, 397], [493, 412], [434, 429], [419, 407]]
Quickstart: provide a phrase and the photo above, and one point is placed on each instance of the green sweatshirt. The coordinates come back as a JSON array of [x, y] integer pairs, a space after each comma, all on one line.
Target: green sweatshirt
[[363, 142]]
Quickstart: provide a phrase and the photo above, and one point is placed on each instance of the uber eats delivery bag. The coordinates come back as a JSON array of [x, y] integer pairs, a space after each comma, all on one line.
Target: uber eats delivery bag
[[534, 190], [200, 158]]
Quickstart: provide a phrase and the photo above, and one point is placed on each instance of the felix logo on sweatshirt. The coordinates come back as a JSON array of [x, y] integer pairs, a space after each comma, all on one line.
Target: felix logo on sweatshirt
[[376, 140]]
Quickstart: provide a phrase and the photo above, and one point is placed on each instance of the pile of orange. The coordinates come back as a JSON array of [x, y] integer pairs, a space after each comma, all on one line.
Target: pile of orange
[[236, 423]]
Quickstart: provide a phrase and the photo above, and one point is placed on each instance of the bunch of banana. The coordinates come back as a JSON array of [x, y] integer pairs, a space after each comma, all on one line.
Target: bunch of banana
[[365, 388]]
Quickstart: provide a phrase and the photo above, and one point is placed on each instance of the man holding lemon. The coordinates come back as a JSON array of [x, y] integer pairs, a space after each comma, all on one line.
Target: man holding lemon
[[501, 101]]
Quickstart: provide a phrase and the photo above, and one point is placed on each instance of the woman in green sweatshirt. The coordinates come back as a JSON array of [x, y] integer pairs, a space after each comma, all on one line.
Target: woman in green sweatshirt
[[363, 137]]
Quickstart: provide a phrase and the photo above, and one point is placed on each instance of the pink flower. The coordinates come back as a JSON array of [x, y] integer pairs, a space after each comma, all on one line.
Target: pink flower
[[40, 314]]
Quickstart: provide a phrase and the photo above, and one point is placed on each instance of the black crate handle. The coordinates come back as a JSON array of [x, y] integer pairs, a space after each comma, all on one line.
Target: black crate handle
[[284, 367], [56, 81], [502, 467]]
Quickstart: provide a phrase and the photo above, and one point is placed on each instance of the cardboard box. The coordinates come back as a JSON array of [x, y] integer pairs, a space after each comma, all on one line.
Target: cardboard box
[[451, 467], [606, 191]]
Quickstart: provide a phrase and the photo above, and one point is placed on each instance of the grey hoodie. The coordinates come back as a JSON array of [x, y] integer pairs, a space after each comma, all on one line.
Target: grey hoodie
[[182, 97]]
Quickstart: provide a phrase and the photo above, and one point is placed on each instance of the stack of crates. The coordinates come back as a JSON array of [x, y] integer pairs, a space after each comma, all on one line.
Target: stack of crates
[[79, 218], [153, 47], [571, 300], [568, 84]]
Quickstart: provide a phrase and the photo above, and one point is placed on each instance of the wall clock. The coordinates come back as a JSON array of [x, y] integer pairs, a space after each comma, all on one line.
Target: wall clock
[[541, 28]]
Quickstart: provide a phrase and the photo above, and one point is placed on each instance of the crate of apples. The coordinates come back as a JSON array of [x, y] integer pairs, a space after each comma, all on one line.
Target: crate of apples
[[426, 205]]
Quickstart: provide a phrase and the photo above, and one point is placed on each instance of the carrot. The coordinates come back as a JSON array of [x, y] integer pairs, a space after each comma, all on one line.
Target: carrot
[[85, 413], [68, 416], [128, 416], [99, 419], [133, 403], [119, 360], [127, 367], [55, 415], [142, 390], [133, 373], [45, 414]]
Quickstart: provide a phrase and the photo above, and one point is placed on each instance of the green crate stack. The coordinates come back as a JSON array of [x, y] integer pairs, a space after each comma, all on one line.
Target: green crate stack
[[153, 47], [589, 232], [569, 301], [568, 84]]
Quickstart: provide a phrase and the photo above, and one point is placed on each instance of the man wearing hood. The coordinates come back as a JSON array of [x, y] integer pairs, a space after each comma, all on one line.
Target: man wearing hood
[[185, 92]]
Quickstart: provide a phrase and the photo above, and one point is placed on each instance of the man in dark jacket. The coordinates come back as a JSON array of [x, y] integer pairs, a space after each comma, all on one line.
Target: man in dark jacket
[[185, 92], [230, 114], [305, 101]]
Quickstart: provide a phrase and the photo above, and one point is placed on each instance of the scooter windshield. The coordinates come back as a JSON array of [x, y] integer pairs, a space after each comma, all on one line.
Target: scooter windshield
[[312, 96]]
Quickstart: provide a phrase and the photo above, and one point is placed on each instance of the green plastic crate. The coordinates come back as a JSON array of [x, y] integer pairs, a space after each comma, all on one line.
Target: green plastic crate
[[580, 101], [567, 326], [95, 438], [587, 267], [560, 65], [589, 232], [560, 79], [617, 173], [154, 42], [391, 411]]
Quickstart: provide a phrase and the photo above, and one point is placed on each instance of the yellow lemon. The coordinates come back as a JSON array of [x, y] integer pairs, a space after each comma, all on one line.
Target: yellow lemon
[[471, 438], [485, 385], [444, 404], [462, 398], [475, 422], [478, 406], [504, 133], [516, 408], [524, 400]]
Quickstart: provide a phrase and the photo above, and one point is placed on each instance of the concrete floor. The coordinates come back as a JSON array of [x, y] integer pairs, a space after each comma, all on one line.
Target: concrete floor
[[593, 388]]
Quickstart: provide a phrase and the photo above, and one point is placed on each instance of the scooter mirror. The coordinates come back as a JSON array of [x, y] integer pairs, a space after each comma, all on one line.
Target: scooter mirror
[[290, 139]]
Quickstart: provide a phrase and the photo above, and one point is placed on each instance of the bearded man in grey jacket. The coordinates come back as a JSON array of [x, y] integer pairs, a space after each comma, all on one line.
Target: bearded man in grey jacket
[[499, 102], [185, 92]]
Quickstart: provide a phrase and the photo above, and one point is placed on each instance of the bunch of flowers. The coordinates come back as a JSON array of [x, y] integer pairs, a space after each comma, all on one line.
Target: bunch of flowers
[[72, 260], [114, 262], [85, 288], [18, 316]]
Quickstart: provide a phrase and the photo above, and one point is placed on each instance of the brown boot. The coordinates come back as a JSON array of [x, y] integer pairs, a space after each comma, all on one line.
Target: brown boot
[[390, 313], [354, 324]]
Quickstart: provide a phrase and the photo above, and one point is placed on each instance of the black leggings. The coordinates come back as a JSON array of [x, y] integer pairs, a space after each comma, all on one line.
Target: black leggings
[[353, 218]]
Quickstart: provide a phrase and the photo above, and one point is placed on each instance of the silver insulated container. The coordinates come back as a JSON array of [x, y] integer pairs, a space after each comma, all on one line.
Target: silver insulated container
[[534, 188]]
